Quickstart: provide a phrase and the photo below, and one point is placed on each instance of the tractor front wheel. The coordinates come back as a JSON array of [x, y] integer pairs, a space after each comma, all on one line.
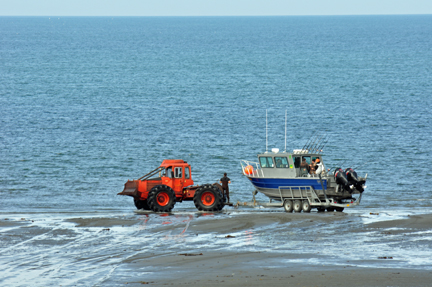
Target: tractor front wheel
[[141, 204], [208, 198], [161, 198]]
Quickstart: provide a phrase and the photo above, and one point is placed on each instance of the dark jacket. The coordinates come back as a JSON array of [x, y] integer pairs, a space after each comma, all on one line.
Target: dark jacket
[[225, 180]]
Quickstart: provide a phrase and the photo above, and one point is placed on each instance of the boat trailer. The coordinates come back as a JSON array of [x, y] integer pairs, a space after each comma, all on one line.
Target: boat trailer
[[302, 198]]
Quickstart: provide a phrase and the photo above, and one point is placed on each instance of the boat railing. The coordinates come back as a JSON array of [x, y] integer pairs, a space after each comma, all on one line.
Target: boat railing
[[256, 172]]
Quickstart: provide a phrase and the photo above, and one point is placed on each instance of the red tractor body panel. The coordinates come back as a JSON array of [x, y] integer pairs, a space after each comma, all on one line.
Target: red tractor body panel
[[177, 175], [172, 182], [144, 186]]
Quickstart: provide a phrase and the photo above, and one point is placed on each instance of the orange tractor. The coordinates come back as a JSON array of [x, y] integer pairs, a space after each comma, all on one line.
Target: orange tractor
[[172, 182]]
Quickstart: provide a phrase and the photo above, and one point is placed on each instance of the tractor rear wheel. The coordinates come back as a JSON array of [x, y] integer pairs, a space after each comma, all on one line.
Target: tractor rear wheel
[[161, 198], [208, 198], [224, 196], [141, 204]]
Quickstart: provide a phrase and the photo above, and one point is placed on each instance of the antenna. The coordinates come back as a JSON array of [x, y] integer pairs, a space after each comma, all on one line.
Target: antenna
[[285, 128], [266, 134]]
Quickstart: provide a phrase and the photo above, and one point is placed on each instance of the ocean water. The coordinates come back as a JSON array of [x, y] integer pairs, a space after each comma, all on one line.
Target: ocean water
[[88, 103]]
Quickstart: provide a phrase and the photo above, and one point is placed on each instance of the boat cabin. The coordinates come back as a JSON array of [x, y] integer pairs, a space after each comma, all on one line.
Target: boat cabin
[[283, 164]]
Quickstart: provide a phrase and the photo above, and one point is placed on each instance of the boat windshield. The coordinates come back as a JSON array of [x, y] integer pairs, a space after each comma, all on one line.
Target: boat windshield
[[266, 161], [281, 162]]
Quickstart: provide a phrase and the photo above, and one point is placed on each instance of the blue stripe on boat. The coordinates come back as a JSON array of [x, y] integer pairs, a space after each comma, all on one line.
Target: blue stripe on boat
[[275, 183]]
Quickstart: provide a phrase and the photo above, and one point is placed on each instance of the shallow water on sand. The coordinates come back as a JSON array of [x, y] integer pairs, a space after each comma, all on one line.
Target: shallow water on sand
[[101, 248]]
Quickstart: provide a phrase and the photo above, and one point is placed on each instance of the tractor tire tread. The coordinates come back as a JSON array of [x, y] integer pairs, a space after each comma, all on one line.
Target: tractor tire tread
[[152, 201], [216, 206], [141, 204]]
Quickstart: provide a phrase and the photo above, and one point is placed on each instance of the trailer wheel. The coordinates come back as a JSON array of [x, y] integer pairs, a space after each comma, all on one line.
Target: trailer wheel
[[208, 198], [321, 209], [330, 209], [288, 205], [161, 198], [339, 209], [297, 205], [306, 206], [141, 204]]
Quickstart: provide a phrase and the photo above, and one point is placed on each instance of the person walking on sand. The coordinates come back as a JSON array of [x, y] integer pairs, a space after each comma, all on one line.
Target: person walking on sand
[[225, 188]]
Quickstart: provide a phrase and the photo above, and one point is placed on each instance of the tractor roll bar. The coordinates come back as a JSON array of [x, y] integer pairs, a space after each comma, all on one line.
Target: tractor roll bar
[[153, 172]]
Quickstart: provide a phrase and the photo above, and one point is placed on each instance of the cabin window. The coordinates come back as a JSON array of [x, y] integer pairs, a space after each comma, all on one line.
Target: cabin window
[[281, 162], [168, 172], [266, 161], [178, 172], [297, 162], [187, 172]]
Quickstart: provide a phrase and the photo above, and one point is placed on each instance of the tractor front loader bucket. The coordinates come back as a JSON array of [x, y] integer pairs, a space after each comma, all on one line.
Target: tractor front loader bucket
[[131, 189]]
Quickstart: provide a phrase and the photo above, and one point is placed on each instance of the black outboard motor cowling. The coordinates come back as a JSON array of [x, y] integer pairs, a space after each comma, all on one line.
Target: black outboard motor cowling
[[341, 179], [354, 180]]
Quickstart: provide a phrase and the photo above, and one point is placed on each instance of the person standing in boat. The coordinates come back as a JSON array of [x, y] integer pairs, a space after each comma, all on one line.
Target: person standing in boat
[[320, 168], [304, 168], [225, 188], [312, 167]]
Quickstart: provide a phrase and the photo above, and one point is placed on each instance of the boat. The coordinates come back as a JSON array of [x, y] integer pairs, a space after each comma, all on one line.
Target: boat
[[288, 180]]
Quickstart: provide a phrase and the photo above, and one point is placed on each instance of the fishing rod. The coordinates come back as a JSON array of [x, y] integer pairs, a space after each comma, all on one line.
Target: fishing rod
[[307, 142], [315, 147], [321, 147], [311, 145]]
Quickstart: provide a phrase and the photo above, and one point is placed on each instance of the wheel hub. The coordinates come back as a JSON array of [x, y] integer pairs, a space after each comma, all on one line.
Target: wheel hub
[[162, 199], [208, 198]]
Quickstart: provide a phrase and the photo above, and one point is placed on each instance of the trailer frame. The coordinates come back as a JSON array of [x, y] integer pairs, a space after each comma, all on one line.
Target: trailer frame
[[302, 194]]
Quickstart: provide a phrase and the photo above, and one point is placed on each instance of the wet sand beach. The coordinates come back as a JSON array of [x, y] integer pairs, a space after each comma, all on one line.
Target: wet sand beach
[[232, 248]]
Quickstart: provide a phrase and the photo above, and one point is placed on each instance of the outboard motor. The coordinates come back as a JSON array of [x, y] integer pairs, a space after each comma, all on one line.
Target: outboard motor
[[341, 179], [353, 179]]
